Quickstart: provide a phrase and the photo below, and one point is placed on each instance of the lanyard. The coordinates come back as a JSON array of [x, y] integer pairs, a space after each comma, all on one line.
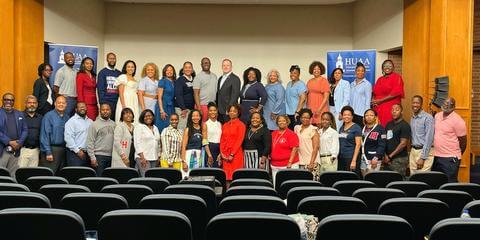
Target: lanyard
[[365, 139]]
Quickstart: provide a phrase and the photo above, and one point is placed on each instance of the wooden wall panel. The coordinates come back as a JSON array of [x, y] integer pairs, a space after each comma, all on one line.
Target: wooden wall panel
[[21, 46], [6, 46], [438, 41], [28, 23]]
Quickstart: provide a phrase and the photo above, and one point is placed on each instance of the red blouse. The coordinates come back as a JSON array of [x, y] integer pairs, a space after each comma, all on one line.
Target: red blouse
[[390, 85], [86, 89], [282, 145]]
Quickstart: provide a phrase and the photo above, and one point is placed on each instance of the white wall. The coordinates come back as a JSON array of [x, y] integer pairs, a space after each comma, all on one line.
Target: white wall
[[75, 22], [251, 35], [378, 25]]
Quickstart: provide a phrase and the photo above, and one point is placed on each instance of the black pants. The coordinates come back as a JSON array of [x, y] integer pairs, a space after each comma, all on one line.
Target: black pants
[[344, 164], [59, 156], [447, 165], [358, 120]]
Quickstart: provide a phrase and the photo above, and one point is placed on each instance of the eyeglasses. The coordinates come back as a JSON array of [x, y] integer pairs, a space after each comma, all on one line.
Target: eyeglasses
[[8, 100]]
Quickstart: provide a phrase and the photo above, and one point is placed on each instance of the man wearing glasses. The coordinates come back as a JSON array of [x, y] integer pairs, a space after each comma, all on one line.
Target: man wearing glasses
[[13, 132]]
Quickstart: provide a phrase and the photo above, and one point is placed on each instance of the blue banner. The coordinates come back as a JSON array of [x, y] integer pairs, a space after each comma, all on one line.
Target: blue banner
[[56, 52], [347, 60]]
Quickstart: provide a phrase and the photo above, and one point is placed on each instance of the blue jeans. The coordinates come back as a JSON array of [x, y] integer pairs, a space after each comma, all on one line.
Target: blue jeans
[[103, 162]]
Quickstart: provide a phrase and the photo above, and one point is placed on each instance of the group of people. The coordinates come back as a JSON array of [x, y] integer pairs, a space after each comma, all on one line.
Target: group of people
[[199, 120]]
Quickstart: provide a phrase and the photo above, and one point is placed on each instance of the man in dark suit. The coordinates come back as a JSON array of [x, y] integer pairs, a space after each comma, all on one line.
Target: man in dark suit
[[228, 90], [13, 133]]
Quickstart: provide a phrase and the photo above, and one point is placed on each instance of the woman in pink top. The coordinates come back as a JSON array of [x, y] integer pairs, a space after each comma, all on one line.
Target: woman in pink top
[[309, 142], [318, 90]]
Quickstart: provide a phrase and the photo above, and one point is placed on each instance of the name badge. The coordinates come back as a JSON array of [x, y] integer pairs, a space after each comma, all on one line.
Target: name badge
[[389, 134]]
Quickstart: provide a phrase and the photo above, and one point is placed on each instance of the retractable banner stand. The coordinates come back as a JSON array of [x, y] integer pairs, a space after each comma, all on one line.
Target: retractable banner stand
[[56, 52], [347, 60]]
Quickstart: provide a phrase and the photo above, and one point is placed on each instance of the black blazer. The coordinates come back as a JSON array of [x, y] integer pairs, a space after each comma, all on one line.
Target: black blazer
[[40, 91], [229, 92]]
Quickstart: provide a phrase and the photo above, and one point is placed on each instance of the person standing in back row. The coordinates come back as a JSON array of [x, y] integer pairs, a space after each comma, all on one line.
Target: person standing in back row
[[107, 89], [65, 82], [228, 90], [205, 88]]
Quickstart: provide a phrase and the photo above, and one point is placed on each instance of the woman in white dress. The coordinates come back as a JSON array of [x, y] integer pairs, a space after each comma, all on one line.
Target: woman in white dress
[[127, 89]]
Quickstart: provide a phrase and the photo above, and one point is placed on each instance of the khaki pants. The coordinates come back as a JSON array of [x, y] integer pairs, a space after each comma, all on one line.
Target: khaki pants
[[29, 157], [414, 155], [327, 165]]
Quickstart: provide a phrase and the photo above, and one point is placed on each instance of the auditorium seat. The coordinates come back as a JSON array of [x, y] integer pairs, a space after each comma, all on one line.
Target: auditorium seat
[[72, 174], [41, 223], [251, 182], [456, 228], [192, 206], [171, 174], [92, 206], [455, 200], [383, 178], [297, 194], [284, 175], [289, 184], [144, 224], [122, 175], [323, 206], [134, 193], [410, 188], [252, 226], [95, 184], [218, 173], [471, 188], [55, 192], [251, 190], [473, 208], [5, 179], [22, 174], [23, 200], [252, 203], [13, 187], [250, 173], [373, 197], [347, 187], [421, 213], [330, 178], [434, 179], [357, 226], [35, 183], [204, 192], [4, 172], [157, 185]]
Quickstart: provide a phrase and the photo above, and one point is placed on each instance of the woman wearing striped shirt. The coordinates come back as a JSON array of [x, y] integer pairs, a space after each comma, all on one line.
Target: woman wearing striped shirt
[[171, 145]]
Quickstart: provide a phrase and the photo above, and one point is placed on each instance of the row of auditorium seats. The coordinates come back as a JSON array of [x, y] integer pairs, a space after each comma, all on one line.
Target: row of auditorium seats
[[59, 224], [339, 193]]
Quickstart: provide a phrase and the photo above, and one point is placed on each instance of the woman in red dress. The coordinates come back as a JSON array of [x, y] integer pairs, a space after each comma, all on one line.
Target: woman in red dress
[[387, 91], [231, 153], [87, 87]]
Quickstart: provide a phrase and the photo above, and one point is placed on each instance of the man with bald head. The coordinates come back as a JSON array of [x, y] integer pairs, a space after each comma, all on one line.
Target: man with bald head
[[450, 140], [52, 142], [205, 88]]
